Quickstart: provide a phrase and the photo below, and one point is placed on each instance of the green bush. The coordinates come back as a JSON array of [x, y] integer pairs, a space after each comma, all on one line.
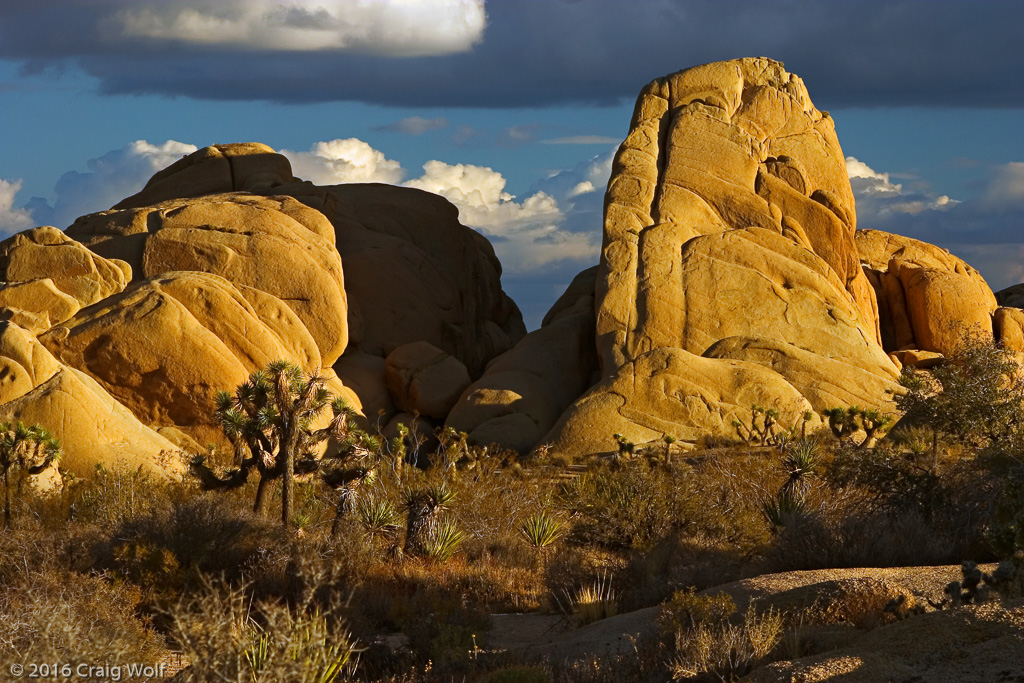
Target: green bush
[[976, 398]]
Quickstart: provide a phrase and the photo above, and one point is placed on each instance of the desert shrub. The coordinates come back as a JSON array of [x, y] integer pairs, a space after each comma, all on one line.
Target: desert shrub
[[976, 398], [592, 600], [1007, 531], [169, 548], [49, 615], [859, 539], [686, 610], [633, 506], [706, 643], [228, 637], [107, 498], [895, 480]]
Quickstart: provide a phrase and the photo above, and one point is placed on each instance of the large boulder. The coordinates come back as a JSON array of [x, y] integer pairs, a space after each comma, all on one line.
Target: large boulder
[[729, 232], [414, 273], [239, 167], [274, 244], [92, 426], [165, 346], [1009, 328], [364, 374], [46, 277], [525, 390], [825, 382], [928, 299], [710, 149], [1011, 296], [422, 378], [673, 392]]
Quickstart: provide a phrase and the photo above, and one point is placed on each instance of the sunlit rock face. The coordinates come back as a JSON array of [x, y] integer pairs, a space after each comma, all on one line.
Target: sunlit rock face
[[729, 273], [223, 263]]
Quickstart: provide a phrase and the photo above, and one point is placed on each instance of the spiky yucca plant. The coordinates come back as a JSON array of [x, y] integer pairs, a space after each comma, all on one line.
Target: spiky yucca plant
[[443, 541], [378, 518], [541, 530]]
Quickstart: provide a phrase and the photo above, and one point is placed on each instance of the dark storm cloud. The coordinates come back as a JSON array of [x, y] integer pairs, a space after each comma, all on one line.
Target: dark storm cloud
[[866, 52]]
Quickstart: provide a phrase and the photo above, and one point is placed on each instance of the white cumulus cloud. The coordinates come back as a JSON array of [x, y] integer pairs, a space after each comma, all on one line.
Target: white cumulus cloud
[[878, 196], [344, 161], [405, 28], [12, 219], [117, 174], [526, 234]]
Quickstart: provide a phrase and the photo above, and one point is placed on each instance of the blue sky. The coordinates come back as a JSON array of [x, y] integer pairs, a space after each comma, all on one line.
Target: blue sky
[[510, 108]]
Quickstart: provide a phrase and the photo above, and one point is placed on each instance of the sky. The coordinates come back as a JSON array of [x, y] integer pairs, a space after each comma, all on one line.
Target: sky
[[511, 109]]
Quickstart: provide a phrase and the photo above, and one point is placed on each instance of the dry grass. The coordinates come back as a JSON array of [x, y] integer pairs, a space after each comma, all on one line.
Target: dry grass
[[646, 529]]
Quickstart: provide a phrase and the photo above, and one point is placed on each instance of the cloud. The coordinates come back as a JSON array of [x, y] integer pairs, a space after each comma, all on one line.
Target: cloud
[[1005, 188], [526, 234], [344, 161], [404, 28], [12, 220], [521, 54], [414, 125], [515, 136], [986, 231], [877, 196], [112, 177], [581, 140]]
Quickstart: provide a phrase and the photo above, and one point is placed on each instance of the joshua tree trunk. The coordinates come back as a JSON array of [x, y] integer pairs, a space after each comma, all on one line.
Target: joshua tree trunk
[[342, 507], [7, 501], [288, 487], [421, 517], [262, 489]]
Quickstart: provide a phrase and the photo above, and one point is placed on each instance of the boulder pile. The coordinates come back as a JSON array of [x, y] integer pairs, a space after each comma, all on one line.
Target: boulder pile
[[732, 274]]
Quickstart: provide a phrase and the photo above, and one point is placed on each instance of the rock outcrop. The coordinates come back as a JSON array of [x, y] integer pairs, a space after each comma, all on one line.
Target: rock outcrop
[[422, 378], [46, 277], [730, 273], [274, 244], [414, 273], [928, 299], [524, 391], [1011, 296], [92, 426], [165, 346], [225, 262]]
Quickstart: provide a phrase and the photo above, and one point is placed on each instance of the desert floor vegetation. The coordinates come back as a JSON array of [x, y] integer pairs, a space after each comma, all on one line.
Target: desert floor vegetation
[[386, 571]]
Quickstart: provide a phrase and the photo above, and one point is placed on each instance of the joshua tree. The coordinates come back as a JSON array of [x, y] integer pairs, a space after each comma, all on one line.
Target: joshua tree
[[30, 449], [268, 421], [845, 422], [423, 506], [669, 440]]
